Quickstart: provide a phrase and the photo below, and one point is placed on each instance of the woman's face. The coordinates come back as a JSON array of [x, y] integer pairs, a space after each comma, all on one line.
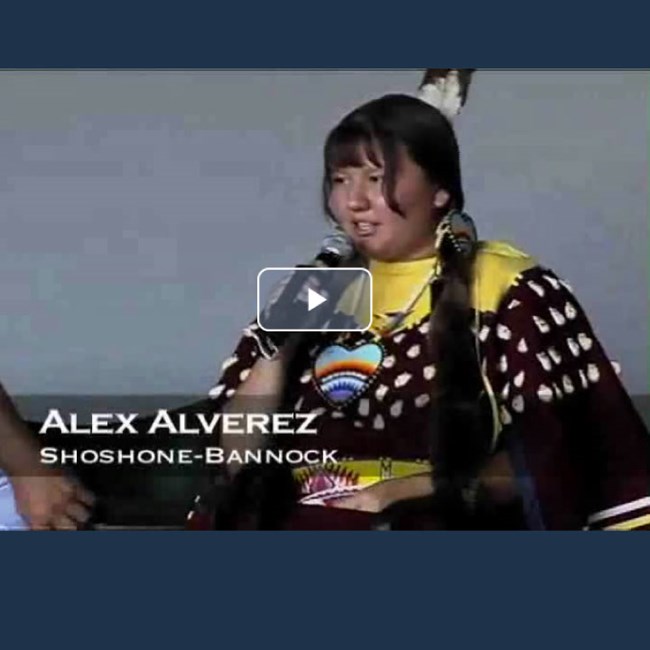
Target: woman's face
[[358, 203]]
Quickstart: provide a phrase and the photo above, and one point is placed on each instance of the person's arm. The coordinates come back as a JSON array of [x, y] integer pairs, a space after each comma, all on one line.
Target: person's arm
[[496, 480], [260, 392], [44, 497], [247, 383], [18, 450], [579, 448], [380, 496]]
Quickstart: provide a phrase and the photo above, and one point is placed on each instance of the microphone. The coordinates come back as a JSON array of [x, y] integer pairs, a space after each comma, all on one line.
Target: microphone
[[335, 248]]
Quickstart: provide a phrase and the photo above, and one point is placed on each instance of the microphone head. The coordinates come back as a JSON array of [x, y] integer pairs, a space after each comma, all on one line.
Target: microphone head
[[337, 243]]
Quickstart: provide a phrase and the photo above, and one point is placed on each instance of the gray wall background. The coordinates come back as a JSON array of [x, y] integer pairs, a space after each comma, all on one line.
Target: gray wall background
[[138, 207]]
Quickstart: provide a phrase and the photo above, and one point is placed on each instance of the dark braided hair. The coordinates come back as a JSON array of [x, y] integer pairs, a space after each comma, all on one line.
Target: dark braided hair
[[460, 439], [461, 427]]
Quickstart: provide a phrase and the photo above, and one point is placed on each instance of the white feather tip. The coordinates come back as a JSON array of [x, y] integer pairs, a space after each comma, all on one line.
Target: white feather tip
[[444, 93]]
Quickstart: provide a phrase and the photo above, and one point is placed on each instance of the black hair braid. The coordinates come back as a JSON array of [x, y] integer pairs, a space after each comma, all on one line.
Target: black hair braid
[[460, 442]]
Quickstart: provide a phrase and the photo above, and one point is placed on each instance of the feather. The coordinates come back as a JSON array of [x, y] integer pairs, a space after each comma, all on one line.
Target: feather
[[446, 89]]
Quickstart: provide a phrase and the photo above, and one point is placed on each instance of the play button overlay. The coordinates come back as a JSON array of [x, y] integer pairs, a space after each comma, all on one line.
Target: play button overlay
[[314, 299], [299, 299]]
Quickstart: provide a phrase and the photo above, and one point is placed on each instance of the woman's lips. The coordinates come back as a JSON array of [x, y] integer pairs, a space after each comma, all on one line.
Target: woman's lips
[[365, 229]]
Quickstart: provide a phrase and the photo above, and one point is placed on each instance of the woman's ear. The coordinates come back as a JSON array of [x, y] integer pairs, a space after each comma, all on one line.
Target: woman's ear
[[441, 199]]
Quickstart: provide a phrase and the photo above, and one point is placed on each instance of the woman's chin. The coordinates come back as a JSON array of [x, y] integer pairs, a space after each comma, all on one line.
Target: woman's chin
[[375, 249]]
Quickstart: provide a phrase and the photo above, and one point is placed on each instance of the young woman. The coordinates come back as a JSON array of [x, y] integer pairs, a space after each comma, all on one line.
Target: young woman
[[480, 397]]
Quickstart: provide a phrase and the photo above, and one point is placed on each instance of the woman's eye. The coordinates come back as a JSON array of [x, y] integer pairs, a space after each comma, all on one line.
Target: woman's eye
[[338, 180], [376, 178]]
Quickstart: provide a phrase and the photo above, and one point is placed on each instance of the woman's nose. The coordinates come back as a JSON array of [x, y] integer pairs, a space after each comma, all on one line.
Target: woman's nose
[[358, 197]]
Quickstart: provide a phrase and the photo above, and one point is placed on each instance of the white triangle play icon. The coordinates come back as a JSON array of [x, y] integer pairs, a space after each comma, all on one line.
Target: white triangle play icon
[[314, 299]]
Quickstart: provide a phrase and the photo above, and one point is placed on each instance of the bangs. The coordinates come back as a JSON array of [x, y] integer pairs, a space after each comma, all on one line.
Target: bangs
[[351, 147]]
